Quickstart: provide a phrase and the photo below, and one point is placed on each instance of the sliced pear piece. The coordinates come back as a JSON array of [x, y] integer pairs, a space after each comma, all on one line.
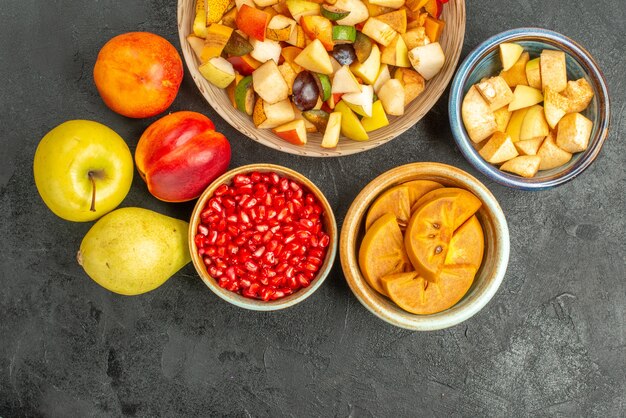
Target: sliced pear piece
[[516, 75], [524, 165], [553, 70], [382, 77], [360, 102], [534, 124], [345, 82], [509, 54], [496, 92], [533, 73], [478, 119], [333, 130], [269, 83], [391, 94], [555, 106], [379, 31], [218, 72], [427, 60], [514, 127], [524, 96], [503, 116], [529, 146], [498, 149], [358, 12], [551, 155], [579, 93], [573, 132]]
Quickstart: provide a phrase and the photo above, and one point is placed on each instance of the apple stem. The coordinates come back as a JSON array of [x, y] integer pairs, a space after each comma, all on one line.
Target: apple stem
[[93, 191]]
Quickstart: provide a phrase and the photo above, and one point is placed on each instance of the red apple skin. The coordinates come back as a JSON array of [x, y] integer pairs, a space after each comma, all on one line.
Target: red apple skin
[[138, 74], [179, 155], [244, 65], [253, 22], [290, 136]]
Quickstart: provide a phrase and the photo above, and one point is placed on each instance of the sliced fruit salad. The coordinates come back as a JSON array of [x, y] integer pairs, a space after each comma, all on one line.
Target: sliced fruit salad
[[504, 117], [339, 67]]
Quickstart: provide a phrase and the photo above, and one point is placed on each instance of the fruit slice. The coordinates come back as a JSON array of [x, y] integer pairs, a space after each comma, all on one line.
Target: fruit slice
[[498, 149], [382, 77], [579, 93], [253, 22], [514, 127], [412, 82], [391, 94], [358, 12], [218, 72], [199, 21], [427, 60], [509, 54], [534, 124], [345, 82], [315, 58], [524, 165], [553, 70], [395, 201], [333, 13], [368, 69], [320, 28], [396, 53], [529, 146], [428, 235], [299, 8], [350, 124], [361, 102], [244, 65], [280, 28], [496, 92], [237, 45], [467, 244], [502, 116], [333, 130], [267, 115], [378, 118], [516, 75], [344, 34], [573, 132], [269, 83], [433, 28], [555, 105], [533, 73], [293, 132], [324, 85], [362, 47], [319, 118], [524, 96], [217, 36], [478, 120], [417, 295], [244, 95], [379, 31], [551, 155], [382, 251], [466, 205], [418, 188]]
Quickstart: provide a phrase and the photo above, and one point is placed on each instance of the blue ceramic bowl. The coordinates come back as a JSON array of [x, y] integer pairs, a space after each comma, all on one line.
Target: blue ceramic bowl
[[484, 61]]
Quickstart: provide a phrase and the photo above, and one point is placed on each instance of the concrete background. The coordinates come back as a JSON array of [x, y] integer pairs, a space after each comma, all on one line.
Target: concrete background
[[551, 343]]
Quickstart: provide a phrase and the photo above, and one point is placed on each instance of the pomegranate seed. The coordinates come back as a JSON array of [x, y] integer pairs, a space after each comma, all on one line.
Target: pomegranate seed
[[262, 228], [316, 253], [203, 230], [259, 252], [210, 251], [324, 241], [260, 190], [274, 178], [261, 211], [255, 176], [289, 238], [241, 179], [215, 205], [307, 223], [269, 258], [303, 235], [244, 217], [229, 203], [207, 261], [221, 190], [245, 189], [251, 266], [267, 237], [304, 282]]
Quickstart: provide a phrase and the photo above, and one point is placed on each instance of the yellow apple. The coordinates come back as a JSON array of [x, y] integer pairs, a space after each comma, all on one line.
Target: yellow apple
[[516, 75], [534, 124], [529, 146], [368, 70], [82, 170], [378, 118], [218, 72], [502, 116], [350, 125], [315, 58], [514, 127], [524, 96], [509, 54], [333, 130]]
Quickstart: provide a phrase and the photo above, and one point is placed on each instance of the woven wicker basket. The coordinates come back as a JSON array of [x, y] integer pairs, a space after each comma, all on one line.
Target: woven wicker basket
[[451, 42]]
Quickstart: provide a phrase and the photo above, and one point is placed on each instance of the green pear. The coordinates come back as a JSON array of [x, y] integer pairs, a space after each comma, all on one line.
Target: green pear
[[132, 250]]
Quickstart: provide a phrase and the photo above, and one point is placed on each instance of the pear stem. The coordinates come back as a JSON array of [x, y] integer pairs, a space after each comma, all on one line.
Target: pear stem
[[92, 176]]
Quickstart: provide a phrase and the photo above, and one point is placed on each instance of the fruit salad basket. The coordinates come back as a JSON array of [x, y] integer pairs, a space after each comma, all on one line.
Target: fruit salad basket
[[451, 41]]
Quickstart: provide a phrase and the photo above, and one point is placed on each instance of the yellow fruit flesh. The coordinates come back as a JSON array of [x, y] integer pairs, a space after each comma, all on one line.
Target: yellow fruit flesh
[[395, 201]]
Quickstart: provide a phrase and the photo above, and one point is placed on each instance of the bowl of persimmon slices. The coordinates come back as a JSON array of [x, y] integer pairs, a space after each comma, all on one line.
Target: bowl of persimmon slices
[[424, 246], [321, 77]]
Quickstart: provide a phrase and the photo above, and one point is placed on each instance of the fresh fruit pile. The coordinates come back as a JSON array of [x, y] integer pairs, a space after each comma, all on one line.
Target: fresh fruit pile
[[83, 170], [431, 265], [336, 67], [262, 236], [511, 128]]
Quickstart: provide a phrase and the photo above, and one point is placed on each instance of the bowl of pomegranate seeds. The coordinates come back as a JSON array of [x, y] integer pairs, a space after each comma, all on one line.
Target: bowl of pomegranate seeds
[[263, 237]]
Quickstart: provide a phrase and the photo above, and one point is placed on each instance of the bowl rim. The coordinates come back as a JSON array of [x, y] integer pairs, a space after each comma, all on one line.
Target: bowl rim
[[558, 40], [443, 80], [352, 224], [253, 304]]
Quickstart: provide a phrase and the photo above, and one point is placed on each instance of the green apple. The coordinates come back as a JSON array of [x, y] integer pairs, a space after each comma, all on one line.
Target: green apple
[[82, 170]]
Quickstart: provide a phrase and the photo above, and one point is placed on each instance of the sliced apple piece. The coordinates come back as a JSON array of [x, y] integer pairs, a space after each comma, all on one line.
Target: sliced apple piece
[[350, 125], [579, 93], [524, 96], [529, 146], [379, 31], [478, 119], [523, 165], [289, 53], [496, 92], [315, 58], [244, 65], [269, 83], [534, 124], [378, 118], [218, 72], [413, 83], [391, 94], [551, 155], [396, 53], [509, 54], [333, 130], [555, 106], [427, 60], [318, 27], [498, 149], [360, 102], [376, 10], [502, 116], [573, 132], [553, 70], [516, 75], [382, 77], [368, 70], [293, 132], [345, 82], [196, 44], [358, 12], [253, 22], [266, 50], [267, 115], [299, 8], [514, 128], [533, 73]]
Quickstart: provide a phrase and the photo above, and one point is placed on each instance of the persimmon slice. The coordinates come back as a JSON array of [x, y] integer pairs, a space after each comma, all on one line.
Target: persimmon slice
[[418, 295], [395, 201], [418, 188], [382, 251], [428, 235], [466, 204], [467, 244]]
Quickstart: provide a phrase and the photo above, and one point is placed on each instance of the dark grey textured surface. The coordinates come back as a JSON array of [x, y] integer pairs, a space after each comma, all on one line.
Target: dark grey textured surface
[[551, 343]]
